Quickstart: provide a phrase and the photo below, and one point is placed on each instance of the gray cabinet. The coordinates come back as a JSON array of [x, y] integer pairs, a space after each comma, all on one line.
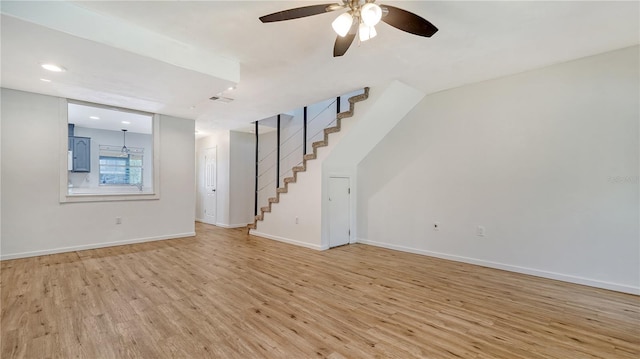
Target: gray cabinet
[[80, 147]]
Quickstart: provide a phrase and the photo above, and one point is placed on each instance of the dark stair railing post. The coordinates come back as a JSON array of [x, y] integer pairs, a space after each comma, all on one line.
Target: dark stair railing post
[[255, 203], [304, 133], [278, 156], [338, 105]]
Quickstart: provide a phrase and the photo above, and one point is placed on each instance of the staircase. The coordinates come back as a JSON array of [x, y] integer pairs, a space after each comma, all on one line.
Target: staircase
[[309, 157]]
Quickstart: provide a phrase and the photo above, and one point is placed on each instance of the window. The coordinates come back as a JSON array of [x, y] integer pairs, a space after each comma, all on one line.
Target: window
[[121, 166], [109, 154], [121, 170], [114, 170]]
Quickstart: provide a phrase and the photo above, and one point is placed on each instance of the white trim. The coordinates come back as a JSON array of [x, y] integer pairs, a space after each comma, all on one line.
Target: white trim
[[83, 198], [353, 213], [289, 241], [511, 268], [239, 225], [350, 211], [204, 220], [93, 246]]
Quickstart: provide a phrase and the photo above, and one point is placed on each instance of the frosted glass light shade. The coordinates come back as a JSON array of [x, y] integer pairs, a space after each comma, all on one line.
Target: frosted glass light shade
[[342, 24], [366, 32], [371, 14]]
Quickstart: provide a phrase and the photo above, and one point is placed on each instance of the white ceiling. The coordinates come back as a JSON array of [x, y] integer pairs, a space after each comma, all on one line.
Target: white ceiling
[[112, 119], [288, 64]]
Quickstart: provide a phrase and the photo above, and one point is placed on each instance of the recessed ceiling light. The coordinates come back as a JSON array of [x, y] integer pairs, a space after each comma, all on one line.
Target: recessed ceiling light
[[126, 122], [231, 88], [94, 117], [45, 80], [53, 67]]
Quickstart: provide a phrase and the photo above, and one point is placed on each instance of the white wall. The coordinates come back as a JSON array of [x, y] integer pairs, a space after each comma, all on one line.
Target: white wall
[[302, 201], [35, 222], [1, 177], [547, 161], [267, 158], [291, 135], [374, 118], [242, 178], [319, 116], [235, 164]]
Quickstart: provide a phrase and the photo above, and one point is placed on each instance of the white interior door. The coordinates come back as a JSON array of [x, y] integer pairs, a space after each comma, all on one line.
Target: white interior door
[[210, 199], [339, 193]]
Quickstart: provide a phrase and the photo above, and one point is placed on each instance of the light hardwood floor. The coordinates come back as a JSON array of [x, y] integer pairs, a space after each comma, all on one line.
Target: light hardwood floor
[[224, 294]]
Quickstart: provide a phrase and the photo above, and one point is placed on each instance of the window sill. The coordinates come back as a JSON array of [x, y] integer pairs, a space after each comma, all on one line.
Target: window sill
[[108, 197]]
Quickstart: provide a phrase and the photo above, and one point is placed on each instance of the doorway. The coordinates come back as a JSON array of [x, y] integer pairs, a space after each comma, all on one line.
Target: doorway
[[339, 211], [209, 195]]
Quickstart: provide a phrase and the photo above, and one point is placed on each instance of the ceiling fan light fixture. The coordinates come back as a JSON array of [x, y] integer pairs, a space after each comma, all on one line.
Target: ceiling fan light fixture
[[370, 14], [342, 24], [360, 18], [366, 32]]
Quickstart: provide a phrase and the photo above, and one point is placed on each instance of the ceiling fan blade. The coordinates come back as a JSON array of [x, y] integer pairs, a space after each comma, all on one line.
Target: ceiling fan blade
[[342, 43], [301, 12], [408, 21]]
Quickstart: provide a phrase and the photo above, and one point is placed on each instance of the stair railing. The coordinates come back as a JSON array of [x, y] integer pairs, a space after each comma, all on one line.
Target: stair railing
[[295, 133]]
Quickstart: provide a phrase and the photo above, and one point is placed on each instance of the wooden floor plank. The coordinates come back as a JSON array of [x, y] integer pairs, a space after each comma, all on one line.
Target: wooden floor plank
[[226, 294]]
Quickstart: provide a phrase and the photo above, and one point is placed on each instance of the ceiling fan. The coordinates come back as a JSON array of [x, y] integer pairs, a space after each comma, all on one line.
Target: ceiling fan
[[361, 18]]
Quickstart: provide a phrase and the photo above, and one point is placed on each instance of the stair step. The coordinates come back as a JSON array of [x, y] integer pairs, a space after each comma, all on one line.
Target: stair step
[[309, 157], [352, 101], [332, 130], [319, 144]]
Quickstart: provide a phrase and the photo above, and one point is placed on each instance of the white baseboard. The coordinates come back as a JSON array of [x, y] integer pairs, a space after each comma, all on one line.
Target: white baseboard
[[289, 241], [530, 271], [93, 246], [223, 225], [239, 225], [202, 220]]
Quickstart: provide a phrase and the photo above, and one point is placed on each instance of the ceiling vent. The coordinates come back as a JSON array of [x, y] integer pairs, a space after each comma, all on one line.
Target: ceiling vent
[[222, 99]]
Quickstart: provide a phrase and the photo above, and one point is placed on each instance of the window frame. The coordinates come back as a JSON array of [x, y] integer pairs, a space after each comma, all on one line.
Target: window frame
[[123, 163], [63, 135]]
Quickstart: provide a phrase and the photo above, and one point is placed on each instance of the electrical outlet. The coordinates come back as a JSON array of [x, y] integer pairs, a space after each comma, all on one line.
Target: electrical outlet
[[480, 231], [118, 220], [436, 226]]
